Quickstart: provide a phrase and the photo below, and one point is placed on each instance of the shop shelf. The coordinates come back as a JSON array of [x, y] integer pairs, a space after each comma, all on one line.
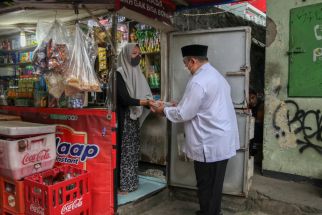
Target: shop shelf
[[150, 53], [6, 64], [28, 48], [62, 190], [24, 63]]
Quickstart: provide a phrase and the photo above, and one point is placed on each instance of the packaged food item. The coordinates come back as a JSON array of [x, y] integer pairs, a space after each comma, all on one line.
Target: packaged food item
[[58, 58], [102, 59], [53, 52], [76, 101], [55, 84], [40, 98]]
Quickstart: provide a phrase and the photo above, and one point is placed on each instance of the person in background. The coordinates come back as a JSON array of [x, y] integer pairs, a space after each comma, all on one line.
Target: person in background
[[256, 104], [133, 94], [210, 125]]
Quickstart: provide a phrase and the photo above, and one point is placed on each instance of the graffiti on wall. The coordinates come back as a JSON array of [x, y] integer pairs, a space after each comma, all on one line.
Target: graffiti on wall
[[305, 124]]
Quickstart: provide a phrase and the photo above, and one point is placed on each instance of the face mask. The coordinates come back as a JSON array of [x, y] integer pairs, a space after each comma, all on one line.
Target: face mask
[[136, 60], [187, 70]]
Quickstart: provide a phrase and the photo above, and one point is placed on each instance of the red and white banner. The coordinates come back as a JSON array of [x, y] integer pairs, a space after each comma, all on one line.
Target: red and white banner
[[84, 138]]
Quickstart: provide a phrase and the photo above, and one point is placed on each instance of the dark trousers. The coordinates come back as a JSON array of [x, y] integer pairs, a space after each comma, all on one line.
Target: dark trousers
[[210, 180]]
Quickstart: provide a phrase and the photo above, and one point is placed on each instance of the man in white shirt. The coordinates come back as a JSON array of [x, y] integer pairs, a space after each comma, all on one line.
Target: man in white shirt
[[210, 124]]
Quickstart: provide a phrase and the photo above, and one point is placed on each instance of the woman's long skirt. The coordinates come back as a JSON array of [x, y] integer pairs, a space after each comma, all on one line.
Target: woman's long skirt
[[129, 180]]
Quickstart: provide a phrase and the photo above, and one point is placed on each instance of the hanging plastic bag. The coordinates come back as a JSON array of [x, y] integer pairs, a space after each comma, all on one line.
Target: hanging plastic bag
[[91, 46], [42, 30], [55, 84], [80, 75], [52, 52]]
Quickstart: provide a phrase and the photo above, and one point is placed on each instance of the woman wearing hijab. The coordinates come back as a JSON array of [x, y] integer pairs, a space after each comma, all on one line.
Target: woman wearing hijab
[[133, 92]]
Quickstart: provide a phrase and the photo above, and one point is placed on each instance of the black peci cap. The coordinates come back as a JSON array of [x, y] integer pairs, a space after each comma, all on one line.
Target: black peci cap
[[194, 50]]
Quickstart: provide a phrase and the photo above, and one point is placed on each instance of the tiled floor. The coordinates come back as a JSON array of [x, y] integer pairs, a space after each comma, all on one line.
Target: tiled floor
[[147, 185]]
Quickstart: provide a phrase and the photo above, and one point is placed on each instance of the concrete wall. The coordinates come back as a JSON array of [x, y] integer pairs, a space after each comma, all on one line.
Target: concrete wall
[[282, 151]]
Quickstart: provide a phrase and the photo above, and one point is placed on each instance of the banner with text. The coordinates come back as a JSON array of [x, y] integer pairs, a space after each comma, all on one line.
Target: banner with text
[[84, 138], [161, 10]]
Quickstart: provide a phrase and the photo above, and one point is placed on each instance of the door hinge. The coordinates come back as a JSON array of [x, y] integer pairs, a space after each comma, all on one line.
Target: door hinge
[[243, 68]]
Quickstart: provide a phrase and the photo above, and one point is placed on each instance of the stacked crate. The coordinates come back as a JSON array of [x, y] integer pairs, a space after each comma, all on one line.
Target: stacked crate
[[11, 191], [62, 190], [28, 182], [12, 196]]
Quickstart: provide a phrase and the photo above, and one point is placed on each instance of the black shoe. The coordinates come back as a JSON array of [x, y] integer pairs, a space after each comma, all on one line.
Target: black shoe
[[200, 213]]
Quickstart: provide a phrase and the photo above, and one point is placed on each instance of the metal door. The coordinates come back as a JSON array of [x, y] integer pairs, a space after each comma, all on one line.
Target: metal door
[[228, 52]]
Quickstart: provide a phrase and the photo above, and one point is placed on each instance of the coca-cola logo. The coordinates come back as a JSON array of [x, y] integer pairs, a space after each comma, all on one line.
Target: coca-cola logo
[[72, 205], [11, 201], [32, 158], [37, 209]]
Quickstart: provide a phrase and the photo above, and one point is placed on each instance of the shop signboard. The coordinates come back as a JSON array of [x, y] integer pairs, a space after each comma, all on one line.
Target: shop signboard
[[84, 138], [155, 9]]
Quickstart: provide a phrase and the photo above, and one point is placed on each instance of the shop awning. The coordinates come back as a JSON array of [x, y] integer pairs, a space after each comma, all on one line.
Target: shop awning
[[180, 4], [160, 11], [156, 13], [169, 4]]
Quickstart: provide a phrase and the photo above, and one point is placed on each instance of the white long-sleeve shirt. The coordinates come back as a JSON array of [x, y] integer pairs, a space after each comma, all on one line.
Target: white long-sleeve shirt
[[209, 117]]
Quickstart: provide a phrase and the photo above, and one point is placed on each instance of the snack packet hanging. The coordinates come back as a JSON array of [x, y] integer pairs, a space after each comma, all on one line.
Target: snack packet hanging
[[80, 74], [52, 52], [55, 84]]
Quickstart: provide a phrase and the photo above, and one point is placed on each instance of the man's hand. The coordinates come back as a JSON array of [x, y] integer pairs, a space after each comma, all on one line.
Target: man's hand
[[157, 107]]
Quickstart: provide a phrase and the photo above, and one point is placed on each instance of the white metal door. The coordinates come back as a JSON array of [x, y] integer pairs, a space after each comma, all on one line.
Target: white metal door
[[228, 52]]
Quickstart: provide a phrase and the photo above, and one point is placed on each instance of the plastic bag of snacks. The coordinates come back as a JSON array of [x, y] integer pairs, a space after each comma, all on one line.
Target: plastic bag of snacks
[[91, 46], [52, 53], [55, 84], [80, 74]]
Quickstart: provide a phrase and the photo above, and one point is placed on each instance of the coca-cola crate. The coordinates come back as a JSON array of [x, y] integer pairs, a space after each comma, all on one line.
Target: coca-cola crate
[[8, 212], [1, 196], [12, 194], [64, 190]]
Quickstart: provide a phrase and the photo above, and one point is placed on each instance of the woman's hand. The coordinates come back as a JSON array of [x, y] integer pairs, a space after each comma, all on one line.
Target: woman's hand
[[151, 103], [146, 102]]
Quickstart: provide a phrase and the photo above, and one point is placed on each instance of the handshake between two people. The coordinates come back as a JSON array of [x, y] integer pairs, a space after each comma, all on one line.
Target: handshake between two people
[[158, 106]]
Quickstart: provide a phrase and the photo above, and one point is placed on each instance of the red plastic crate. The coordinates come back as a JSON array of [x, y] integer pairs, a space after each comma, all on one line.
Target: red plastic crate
[[8, 212], [1, 197], [12, 195], [64, 190]]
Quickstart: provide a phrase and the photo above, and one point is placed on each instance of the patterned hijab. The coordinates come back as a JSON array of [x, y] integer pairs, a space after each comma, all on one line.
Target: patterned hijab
[[135, 82]]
